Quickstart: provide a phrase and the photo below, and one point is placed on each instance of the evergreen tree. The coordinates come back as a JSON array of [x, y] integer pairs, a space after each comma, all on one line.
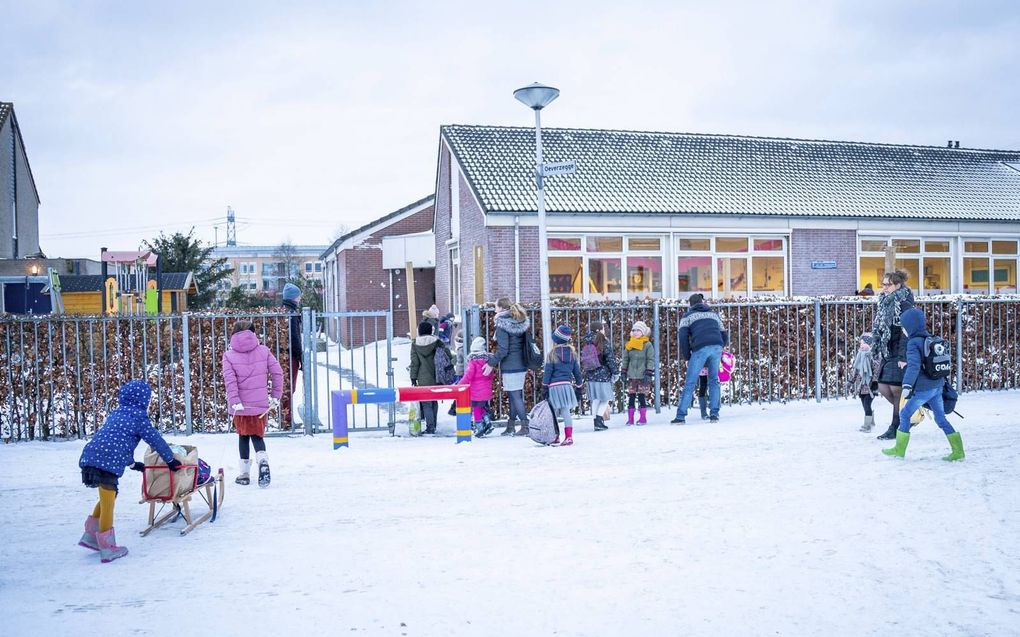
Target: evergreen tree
[[185, 253]]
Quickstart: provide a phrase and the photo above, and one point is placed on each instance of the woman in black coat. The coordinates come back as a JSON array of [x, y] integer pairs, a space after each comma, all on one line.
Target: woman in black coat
[[890, 343]]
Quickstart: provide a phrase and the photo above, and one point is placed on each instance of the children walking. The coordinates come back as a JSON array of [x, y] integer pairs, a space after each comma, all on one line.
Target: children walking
[[599, 366], [638, 367], [423, 369], [481, 386], [247, 367], [562, 374], [104, 458], [922, 386], [864, 378]]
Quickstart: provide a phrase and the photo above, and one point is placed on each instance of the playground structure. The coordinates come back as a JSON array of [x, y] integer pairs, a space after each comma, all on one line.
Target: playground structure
[[341, 399], [128, 289]]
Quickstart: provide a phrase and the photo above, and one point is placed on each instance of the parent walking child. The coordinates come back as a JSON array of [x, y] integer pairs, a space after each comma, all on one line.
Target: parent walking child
[[562, 375], [423, 369], [292, 301], [922, 385], [702, 339], [890, 344], [511, 338], [600, 368], [248, 367], [104, 458], [638, 367]]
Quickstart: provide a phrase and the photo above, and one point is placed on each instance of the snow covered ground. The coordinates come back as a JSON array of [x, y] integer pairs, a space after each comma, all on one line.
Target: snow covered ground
[[779, 520]]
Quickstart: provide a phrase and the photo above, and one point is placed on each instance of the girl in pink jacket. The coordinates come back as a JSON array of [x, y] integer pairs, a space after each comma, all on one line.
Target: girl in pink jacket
[[480, 382], [247, 366]]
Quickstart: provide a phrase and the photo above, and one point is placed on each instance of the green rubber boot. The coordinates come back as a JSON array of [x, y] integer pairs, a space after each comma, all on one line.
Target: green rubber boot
[[901, 445], [956, 442]]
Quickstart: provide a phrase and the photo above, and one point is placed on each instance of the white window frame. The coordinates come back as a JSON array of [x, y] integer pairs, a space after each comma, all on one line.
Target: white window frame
[[715, 254], [622, 255], [954, 256], [453, 252]]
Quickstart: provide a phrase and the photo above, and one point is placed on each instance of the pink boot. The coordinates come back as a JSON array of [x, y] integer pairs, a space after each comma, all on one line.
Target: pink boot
[[88, 538], [108, 549], [569, 437], [630, 416], [642, 420]]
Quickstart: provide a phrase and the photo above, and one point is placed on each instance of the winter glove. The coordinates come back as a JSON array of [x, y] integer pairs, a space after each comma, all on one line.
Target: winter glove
[[616, 377], [649, 375], [274, 403], [414, 382], [174, 464], [236, 407], [138, 466], [487, 370], [908, 391]]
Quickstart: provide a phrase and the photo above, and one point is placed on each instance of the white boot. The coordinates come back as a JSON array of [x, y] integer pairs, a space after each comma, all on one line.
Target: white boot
[[242, 478], [262, 460], [869, 422]]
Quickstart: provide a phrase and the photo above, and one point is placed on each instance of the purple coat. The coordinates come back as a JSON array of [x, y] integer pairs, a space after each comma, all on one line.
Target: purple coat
[[246, 369]]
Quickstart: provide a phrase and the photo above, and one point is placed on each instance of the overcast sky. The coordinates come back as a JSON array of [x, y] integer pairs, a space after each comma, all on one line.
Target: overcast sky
[[148, 116]]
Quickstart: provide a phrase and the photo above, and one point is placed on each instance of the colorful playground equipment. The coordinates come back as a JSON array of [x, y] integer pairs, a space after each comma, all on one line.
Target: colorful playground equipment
[[341, 399]]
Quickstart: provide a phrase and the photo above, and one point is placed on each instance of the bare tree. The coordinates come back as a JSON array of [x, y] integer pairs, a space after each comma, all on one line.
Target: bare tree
[[340, 231], [287, 254]]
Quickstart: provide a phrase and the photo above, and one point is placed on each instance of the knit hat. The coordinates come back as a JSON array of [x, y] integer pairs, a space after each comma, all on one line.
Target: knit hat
[[291, 292], [562, 334], [424, 328], [478, 345], [432, 312], [640, 325]]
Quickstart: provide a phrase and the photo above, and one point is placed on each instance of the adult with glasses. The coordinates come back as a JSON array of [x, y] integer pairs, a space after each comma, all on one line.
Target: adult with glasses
[[890, 344]]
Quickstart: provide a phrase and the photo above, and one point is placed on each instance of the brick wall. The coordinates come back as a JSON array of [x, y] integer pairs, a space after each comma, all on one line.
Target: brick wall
[[363, 284], [823, 245], [442, 229]]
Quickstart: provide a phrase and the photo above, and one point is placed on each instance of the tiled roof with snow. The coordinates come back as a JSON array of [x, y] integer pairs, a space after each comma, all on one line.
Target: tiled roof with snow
[[5, 109], [639, 172]]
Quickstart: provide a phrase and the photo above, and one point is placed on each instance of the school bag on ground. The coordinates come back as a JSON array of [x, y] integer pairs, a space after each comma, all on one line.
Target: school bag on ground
[[446, 373], [938, 361], [542, 424], [590, 357]]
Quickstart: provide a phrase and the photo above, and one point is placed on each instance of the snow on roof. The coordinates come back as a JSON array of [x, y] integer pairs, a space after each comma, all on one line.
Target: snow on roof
[[675, 173]]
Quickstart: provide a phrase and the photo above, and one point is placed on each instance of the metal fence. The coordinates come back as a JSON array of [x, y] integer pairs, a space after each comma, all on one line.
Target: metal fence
[[789, 350], [365, 361], [60, 374]]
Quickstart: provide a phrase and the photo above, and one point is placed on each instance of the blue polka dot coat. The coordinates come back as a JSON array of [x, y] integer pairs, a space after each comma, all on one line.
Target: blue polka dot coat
[[113, 447]]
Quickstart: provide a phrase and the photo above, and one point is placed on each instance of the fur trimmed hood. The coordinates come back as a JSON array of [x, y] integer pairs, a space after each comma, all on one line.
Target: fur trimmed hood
[[507, 323]]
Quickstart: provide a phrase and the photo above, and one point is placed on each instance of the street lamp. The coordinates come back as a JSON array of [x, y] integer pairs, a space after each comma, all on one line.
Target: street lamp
[[536, 97]]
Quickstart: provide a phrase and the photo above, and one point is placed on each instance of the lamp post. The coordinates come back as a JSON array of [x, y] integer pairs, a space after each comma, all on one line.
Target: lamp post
[[536, 97]]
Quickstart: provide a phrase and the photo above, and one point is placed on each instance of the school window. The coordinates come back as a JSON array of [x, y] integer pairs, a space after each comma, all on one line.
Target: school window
[[990, 267], [723, 266], [308, 267], [927, 262], [605, 267]]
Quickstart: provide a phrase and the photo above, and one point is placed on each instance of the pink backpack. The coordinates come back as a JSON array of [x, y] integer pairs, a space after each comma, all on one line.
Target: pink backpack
[[726, 362]]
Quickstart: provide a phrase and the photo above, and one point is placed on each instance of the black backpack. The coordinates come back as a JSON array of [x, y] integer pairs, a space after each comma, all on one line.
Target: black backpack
[[532, 353], [446, 373], [949, 398], [938, 360]]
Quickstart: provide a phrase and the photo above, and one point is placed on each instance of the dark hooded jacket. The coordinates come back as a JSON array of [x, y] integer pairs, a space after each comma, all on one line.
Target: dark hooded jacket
[[296, 351], [510, 342], [701, 327], [423, 359], [113, 446], [913, 322]]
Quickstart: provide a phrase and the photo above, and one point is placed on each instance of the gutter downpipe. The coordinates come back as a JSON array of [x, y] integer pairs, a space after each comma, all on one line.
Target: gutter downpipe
[[517, 258]]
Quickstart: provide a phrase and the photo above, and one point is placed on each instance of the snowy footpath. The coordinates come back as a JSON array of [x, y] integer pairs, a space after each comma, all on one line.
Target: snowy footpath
[[779, 520]]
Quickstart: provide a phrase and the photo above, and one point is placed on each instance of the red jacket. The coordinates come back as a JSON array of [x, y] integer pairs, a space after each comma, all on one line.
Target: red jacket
[[481, 385]]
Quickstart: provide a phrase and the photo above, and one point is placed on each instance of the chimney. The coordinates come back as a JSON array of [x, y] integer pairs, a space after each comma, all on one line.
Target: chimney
[[949, 144], [956, 144]]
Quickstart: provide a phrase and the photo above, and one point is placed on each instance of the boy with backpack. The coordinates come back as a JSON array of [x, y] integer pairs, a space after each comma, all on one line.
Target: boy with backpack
[[928, 367], [431, 364]]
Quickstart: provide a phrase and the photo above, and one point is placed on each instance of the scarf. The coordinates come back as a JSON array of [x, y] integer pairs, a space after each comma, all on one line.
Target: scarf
[[862, 365], [888, 318], [637, 343]]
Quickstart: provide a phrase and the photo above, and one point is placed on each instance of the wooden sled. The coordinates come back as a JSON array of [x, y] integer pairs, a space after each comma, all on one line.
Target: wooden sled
[[211, 491]]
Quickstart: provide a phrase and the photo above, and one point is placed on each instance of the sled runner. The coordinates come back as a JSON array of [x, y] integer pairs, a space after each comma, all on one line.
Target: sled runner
[[162, 487]]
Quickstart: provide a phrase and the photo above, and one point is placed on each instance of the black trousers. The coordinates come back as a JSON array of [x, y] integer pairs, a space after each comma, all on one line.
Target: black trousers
[[256, 441]]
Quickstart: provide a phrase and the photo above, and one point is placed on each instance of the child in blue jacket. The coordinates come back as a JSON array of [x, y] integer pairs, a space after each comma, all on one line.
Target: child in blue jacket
[[919, 390], [562, 374], [104, 458]]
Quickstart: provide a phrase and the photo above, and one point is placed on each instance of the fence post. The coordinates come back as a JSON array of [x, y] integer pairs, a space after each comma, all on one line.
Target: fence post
[[818, 350], [959, 343], [658, 366], [308, 416], [186, 361], [476, 325], [392, 424]]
